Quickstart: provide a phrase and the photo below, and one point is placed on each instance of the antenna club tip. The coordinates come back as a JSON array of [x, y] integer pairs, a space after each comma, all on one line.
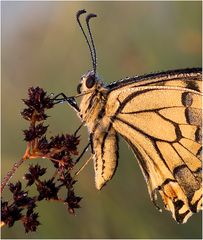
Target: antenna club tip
[[82, 11], [89, 16]]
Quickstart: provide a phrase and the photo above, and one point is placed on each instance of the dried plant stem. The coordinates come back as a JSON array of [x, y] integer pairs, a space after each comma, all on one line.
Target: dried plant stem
[[11, 173]]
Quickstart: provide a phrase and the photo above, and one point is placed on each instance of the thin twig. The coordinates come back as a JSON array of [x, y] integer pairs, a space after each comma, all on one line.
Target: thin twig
[[11, 173]]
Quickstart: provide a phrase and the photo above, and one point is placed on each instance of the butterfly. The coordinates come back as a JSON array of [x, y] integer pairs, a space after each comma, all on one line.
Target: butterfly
[[159, 116]]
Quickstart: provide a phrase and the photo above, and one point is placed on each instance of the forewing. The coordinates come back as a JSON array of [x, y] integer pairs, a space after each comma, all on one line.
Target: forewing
[[185, 78]]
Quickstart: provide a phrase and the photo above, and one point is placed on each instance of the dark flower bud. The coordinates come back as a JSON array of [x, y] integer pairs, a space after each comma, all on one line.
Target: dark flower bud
[[43, 145], [34, 173], [30, 222], [15, 188], [38, 99], [72, 201], [37, 103], [34, 132], [47, 190], [27, 113], [10, 214]]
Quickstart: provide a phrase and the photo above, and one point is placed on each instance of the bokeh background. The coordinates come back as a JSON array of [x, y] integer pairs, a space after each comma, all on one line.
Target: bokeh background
[[43, 46]]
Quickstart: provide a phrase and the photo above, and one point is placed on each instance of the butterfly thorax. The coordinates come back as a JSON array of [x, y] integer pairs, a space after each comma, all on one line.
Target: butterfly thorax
[[93, 100]]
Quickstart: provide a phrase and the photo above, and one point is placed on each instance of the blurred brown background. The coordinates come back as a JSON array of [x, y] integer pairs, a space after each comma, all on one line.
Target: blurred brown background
[[43, 46]]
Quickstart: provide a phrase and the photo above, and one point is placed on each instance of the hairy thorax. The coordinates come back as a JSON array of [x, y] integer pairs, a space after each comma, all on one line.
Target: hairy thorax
[[92, 107]]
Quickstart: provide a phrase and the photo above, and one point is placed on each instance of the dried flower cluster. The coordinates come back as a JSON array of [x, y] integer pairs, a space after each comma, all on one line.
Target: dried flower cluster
[[60, 150]]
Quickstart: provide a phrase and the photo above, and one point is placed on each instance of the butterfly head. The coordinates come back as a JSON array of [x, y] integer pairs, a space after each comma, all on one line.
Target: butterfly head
[[88, 82]]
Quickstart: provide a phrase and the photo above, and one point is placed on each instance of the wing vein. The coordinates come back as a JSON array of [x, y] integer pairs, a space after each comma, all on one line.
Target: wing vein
[[152, 140]]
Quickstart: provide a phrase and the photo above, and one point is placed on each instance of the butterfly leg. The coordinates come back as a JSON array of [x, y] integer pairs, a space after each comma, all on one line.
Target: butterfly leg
[[61, 97], [83, 166], [83, 152], [75, 133]]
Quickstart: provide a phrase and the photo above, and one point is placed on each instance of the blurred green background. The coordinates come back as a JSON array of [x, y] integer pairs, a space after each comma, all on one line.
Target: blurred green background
[[43, 46]]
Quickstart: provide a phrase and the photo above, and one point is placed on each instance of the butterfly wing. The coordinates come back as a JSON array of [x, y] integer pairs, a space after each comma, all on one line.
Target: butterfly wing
[[161, 120], [186, 78]]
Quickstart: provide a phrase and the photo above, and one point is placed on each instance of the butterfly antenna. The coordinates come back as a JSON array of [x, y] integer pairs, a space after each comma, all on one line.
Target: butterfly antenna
[[89, 16], [79, 13]]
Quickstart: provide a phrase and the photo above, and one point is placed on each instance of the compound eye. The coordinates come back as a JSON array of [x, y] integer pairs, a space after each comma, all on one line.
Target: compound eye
[[90, 82], [79, 88]]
